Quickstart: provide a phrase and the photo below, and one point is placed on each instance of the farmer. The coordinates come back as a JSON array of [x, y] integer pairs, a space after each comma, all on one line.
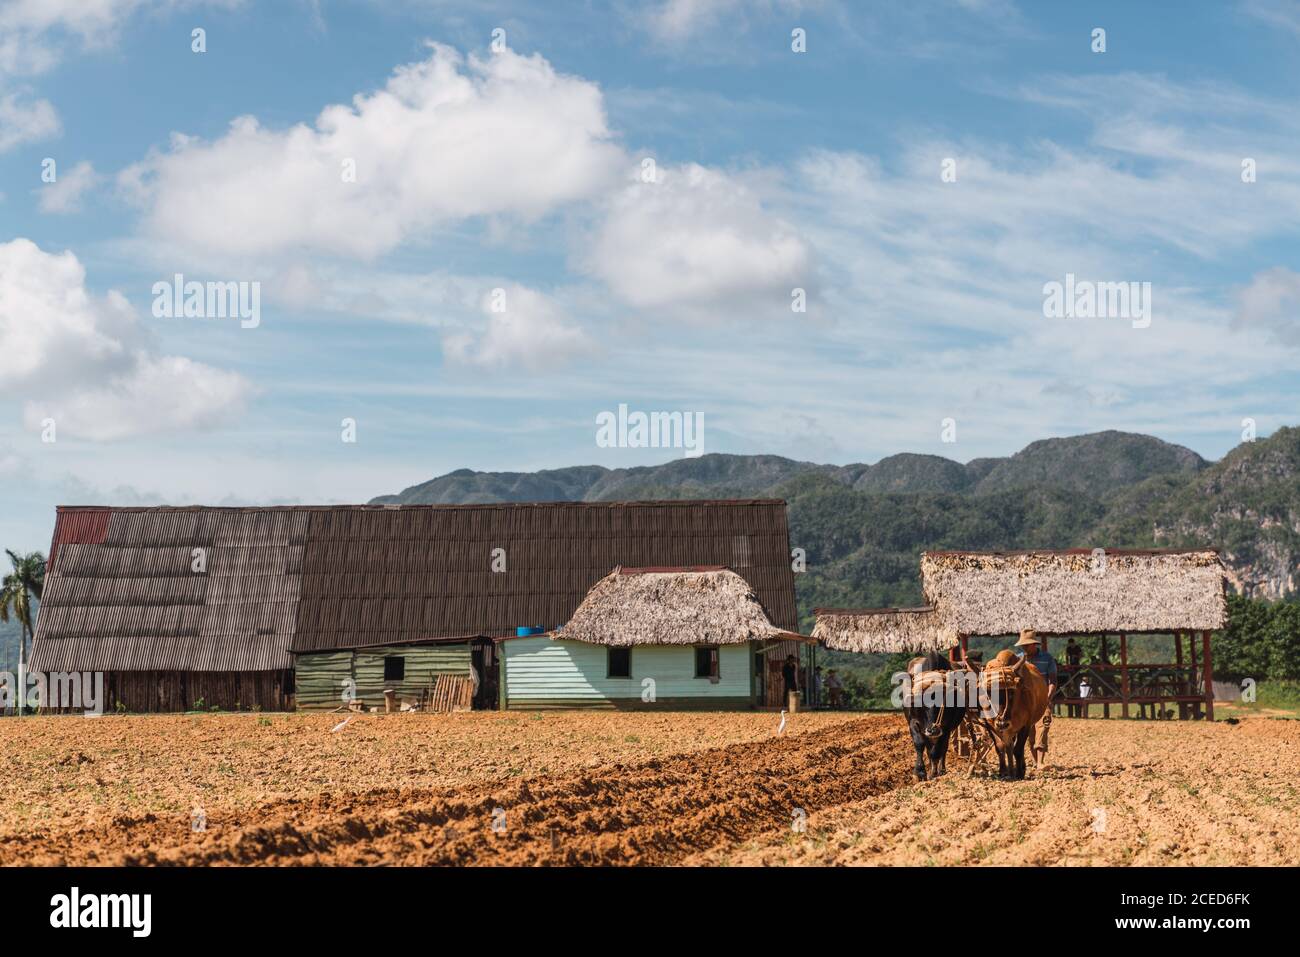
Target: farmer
[[790, 676], [1073, 653], [1036, 655], [835, 687]]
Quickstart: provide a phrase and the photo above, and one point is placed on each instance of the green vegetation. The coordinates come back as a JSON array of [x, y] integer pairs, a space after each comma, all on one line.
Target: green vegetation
[[1262, 641], [10, 632], [20, 594]]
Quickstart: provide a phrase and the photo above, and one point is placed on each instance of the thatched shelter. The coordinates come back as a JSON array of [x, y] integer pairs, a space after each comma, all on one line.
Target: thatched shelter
[[883, 630], [1076, 591], [703, 605]]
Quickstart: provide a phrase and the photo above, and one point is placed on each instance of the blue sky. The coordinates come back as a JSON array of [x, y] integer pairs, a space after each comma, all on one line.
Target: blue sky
[[520, 168]]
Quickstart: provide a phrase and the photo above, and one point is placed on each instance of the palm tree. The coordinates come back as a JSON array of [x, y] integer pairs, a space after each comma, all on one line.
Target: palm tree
[[17, 590]]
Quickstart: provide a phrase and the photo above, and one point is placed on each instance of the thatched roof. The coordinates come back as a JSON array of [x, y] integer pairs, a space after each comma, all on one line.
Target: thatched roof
[[888, 630], [670, 606], [1076, 591]]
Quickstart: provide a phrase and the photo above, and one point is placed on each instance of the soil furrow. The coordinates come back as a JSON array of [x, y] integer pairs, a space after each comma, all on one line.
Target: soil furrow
[[655, 812]]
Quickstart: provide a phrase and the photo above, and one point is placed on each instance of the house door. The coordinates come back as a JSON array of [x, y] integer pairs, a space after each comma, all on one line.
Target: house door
[[486, 661], [775, 682]]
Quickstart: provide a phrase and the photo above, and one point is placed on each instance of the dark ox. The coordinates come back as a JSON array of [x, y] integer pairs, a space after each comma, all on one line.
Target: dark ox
[[933, 709], [1016, 696]]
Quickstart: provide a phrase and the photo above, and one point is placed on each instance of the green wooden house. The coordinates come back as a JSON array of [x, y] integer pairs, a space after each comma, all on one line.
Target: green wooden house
[[330, 679], [648, 638]]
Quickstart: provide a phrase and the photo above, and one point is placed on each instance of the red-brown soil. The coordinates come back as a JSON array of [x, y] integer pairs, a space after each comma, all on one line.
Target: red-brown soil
[[630, 788]]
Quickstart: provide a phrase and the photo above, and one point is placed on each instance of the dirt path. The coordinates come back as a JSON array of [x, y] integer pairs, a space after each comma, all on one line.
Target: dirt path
[[654, 812]]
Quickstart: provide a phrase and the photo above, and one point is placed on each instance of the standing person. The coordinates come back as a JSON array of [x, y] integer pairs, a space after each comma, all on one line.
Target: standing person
[[817, 687], [1032, 651], [1085, 689], [790, 677], [1073, 653], [1073, 658], [835, 687]]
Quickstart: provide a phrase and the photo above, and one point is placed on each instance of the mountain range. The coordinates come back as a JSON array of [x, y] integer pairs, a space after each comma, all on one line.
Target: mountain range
[[863, 527]]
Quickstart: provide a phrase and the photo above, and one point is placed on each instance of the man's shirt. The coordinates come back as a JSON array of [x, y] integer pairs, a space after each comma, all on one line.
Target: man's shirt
[[1045, 664]]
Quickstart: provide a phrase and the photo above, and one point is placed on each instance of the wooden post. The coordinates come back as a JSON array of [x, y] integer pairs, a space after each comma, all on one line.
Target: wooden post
[[1191, 646], [1182, 678], [1209, 675], [958, 653], [1105, 660], [812, 678], [1123, 671]]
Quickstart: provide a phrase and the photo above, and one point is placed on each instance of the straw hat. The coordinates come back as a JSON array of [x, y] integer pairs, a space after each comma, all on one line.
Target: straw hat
[[1027, 637]]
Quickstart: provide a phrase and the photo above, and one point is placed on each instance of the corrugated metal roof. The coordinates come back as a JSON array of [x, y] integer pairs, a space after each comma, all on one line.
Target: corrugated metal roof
[[132, 600], [123, 596]]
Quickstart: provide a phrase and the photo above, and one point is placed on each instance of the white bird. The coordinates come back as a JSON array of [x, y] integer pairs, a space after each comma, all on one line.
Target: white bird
[[341, 724], [781, 726]]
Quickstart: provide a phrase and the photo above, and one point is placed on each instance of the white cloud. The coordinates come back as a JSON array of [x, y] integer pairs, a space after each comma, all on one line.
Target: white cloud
[[697, 240], [1276, 14], [85, 360], [158, 394], [524, 328], [1271, 302], [675, 21], [65, 193], [447, 139], [34, 34], [23, 121]]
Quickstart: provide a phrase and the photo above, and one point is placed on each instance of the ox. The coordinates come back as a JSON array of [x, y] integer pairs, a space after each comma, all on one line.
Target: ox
[[933, 707], [1013, 696]]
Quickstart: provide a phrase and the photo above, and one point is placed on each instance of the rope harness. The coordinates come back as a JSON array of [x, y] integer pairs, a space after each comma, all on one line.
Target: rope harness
[[923, 681], [1007, 681]]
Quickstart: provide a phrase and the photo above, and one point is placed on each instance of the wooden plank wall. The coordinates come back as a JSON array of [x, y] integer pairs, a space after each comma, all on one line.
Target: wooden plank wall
[[423, 665], [539, 672], [321, 675], [163, 691], [320, 679]]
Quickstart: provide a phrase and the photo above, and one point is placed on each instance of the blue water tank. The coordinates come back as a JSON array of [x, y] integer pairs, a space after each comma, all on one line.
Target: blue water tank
[[524, 631]]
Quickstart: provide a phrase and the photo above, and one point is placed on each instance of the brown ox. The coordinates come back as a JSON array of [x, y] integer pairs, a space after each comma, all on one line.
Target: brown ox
[[1017, 698]]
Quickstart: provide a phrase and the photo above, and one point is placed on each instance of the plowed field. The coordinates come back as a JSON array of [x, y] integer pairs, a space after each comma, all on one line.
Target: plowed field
[[628, 788]]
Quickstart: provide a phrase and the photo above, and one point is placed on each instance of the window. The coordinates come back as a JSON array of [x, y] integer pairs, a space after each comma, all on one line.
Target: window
[[394, 669], [706, 662], [620, 662]]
